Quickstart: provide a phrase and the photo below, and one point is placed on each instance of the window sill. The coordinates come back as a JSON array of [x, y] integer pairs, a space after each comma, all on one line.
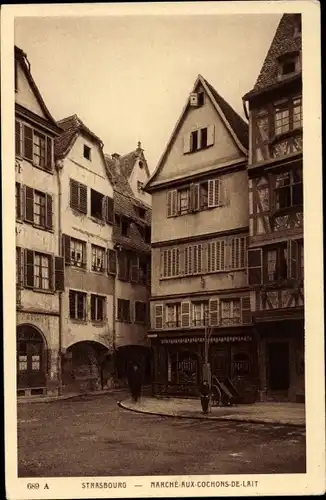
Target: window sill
[[99, 323], [204, 273], [77, 268], [48, 170], [143, 323], [97, 221], [193, 212], [37, 226], [100, 273], [40, 290], [199, 149], [78, 321], [77, 212]]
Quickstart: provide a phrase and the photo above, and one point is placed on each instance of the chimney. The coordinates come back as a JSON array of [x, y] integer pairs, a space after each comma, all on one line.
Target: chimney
[[115, 156]]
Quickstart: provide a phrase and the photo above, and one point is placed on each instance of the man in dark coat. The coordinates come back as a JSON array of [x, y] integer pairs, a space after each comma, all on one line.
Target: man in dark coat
[[134, 381]]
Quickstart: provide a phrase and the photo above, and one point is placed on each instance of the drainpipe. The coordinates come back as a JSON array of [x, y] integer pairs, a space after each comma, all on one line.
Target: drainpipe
[[58, 167]]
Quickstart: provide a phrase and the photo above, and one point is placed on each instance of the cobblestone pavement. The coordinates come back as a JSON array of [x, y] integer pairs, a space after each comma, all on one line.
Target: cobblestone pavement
[[92, 436]]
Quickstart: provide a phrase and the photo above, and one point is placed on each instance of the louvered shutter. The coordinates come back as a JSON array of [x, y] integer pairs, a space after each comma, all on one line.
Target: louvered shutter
[[66, 248], [211, 193], [217, 192], [51, 273], [245, 310], [49, 153], [28, 142], [185, 314], [255, 266], [29, 268], [83, 198], [49, 213], [29, 204], [293, 259], [134, 269], [210, 135], [18, 138], [169, 203], [213, 312], [22, 202], [109, 210], [158, 316], [187, 143], [74, 194], [112, 262], [59, 266]]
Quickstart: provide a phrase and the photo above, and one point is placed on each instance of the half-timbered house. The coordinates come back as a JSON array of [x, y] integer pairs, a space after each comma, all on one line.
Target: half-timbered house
[[275, 255], [199, 248]]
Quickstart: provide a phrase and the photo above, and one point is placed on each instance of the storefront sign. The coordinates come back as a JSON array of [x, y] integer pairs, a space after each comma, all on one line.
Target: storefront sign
[[191, 340]]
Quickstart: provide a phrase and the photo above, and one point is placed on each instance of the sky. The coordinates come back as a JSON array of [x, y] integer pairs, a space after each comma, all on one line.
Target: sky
[[128, 77]]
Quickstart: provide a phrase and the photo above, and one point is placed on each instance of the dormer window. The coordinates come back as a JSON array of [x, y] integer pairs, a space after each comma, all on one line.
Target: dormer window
[[87, 152], [141, 164], [289, 64], [201, 98], [297, 25]]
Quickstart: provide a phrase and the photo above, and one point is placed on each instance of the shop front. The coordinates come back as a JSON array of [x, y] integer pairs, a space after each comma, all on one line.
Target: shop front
[[179, 361]]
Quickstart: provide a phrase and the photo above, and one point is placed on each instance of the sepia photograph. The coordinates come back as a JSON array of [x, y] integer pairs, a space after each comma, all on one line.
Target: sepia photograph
[[159, 228]]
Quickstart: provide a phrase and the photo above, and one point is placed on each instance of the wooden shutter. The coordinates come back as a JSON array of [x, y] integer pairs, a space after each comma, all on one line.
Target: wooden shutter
[[134, 269], [293, 259], [217, 192], [245, 310], [49, 214], [187, 143], [49, 153], [210, 135], [29, 204], [185, 314], [213, 312], [93, 300], [51, 272], [194, 197], [169, 203], [28, 142], [158, 316], [272, 193], [29, 268], [66, 248], [211, 193], [19, 267], [59, 266], [83, 198], [172, 203], [18, 138], [255, 266], [74, 194], [112, 262], [109, 216]]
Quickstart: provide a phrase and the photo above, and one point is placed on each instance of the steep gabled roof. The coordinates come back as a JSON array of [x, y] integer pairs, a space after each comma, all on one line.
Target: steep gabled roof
[[284, 42], [127, 162], [21, 57], [71, 126], [237, 127]]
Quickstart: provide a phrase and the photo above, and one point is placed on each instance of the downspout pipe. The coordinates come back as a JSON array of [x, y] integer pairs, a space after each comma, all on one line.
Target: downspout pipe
[[58, 167]]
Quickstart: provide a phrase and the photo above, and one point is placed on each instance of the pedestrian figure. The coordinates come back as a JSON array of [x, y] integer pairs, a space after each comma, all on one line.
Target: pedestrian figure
[[134, 381], [204, 396]]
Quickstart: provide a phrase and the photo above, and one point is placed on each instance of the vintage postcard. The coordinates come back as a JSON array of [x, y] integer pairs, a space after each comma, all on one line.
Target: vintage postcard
[[162, 250]]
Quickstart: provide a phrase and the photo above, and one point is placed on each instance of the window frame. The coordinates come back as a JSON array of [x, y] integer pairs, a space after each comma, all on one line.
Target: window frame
[[77, 294], [95, 251], [231, 319], [95, 300], [73, 262], [21, 145], [123, 306]]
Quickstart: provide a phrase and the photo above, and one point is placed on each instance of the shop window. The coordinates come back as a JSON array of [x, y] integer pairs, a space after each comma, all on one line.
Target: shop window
[[241, 364]]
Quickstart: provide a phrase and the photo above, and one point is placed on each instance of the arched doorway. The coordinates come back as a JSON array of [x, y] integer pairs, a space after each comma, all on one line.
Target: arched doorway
[[31, 358], [87, 366]]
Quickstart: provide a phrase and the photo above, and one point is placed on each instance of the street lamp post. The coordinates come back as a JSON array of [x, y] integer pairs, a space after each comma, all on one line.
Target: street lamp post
[[207, 367]]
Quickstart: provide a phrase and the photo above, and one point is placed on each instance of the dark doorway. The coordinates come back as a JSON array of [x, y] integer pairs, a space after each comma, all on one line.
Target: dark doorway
[[278, 362], [31, 363]]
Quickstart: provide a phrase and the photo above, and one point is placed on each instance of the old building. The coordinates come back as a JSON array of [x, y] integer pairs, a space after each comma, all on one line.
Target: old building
[[40, 271], [132, 236], [85, 226], [275, 256], [199, 247]]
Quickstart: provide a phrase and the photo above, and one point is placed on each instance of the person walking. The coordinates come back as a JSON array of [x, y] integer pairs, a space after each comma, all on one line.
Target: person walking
[[204, 396], [134, 381]]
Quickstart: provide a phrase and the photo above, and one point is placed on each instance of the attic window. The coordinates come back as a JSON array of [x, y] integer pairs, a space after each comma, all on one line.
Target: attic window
[[288, 65], [141, 164], [97, 200], [141, 212], [87, 152], [124, 227], [201, 98]]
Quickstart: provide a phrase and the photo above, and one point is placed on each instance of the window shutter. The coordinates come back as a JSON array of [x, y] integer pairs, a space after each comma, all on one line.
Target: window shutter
[[74, 194], [217, 192], [293, 259], [211, 193], [272, 195], [134, 269], [29, 204], [83, 198], [59, 265], [49, 153], [169, 203], [93, 300], [112, 262], [29, 268], [172, 203], [49, 214], [158, 316], [22, 201], [194, 197], [18, 138], [51, 273], [210, 135], [185, 314], [255, 266], [66, 248], [213, 312], [245, 310], [19, 267], [28, 142], [187, 143], [109, 210]]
